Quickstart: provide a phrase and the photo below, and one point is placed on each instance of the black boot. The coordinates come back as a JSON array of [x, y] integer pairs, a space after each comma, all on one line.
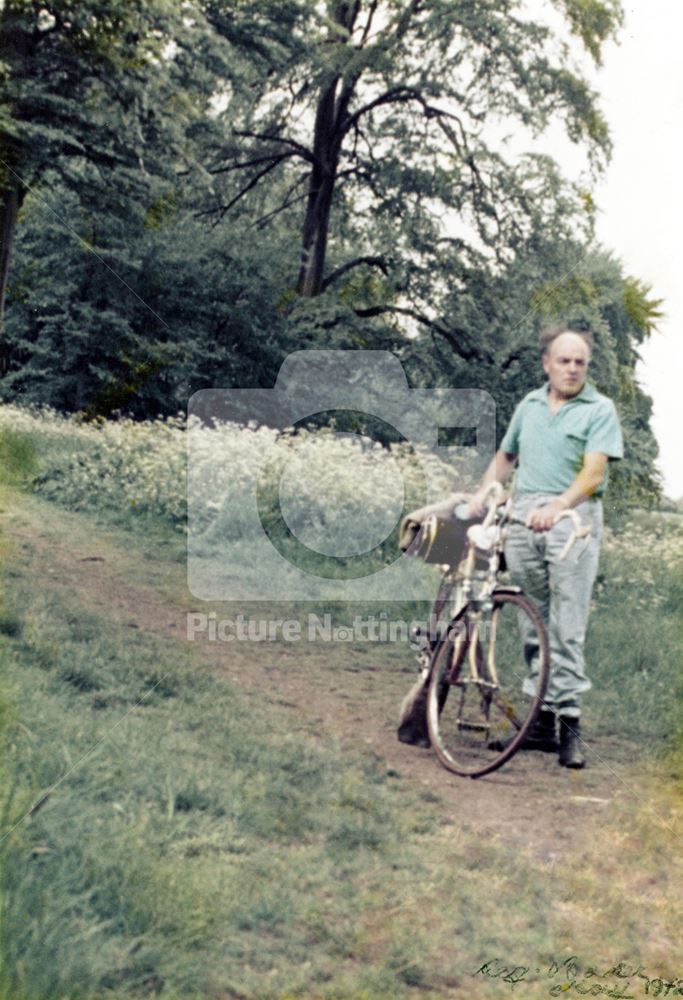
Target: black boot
[[570, 742], [542, 735]]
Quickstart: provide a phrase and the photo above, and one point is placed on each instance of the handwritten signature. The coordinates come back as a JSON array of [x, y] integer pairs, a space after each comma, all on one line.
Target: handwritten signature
[[572, 978]]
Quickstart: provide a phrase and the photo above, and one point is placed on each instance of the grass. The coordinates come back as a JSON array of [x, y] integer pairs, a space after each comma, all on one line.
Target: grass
[[635, 637], [167, 832], [18, 458], [185, 828]]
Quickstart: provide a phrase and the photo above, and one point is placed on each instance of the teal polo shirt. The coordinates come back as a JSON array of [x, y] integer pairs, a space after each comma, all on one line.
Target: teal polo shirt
[[551, 446]]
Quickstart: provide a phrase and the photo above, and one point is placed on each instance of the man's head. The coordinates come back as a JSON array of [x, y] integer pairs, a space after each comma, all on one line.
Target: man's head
[[566, 354]]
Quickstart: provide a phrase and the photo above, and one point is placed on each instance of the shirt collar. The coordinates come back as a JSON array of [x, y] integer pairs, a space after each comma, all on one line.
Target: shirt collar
[[588, 394]]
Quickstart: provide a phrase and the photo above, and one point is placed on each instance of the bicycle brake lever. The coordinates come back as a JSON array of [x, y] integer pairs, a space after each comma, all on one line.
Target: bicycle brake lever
[[580, 531], [584, 534]]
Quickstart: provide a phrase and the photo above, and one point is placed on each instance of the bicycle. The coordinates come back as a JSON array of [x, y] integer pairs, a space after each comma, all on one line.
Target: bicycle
[[485, 685]]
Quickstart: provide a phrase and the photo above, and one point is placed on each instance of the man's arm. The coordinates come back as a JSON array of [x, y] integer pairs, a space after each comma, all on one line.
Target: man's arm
[[502, 464], [585, 484]]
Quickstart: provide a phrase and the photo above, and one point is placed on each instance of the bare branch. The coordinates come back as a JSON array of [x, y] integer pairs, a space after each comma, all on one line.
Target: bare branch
[[256, 162], [363, 176], [460, 147], [368, 23], [265, 219], [253, 181], [305, 153], [285, 204], [296, 94], [395, 95], [457, 337], [401, 95], [372, 261]]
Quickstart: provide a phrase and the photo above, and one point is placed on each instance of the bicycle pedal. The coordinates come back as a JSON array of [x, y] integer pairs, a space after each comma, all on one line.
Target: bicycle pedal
[[479, 727]]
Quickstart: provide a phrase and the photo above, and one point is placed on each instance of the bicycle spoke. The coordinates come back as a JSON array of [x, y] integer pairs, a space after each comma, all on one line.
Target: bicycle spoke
[[483, 694]]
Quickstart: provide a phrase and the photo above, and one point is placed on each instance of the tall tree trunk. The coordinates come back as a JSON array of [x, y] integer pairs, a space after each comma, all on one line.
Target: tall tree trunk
[[327, 140], [320, 193], [316, 230]]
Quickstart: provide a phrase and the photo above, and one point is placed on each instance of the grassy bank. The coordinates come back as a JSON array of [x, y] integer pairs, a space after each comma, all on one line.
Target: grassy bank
[[167, 831], [176, 836]]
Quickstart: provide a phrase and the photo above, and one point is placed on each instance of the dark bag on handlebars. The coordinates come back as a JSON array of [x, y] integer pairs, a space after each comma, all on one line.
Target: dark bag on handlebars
[[441, 539]]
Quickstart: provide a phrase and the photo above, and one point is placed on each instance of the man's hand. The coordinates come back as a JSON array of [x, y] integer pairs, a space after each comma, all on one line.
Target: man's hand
[[543, 518], [498, 471], [585, 484], [477, 505]]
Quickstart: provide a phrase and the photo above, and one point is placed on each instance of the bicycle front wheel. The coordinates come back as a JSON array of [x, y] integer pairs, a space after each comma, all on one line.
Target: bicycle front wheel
[[488, 676]]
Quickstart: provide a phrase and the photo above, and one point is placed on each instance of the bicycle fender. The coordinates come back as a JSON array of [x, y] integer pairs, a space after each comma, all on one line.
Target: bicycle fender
[[507, 588]]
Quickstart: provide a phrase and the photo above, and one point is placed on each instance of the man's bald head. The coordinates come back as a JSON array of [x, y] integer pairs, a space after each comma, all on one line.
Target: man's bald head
[[553, 333], [565, 362]]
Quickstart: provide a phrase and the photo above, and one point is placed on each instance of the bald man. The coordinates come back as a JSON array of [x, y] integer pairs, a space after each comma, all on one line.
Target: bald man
[[560, 439]]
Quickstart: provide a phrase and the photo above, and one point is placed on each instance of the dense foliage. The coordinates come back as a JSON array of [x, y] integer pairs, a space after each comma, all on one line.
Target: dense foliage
[[190, 192]]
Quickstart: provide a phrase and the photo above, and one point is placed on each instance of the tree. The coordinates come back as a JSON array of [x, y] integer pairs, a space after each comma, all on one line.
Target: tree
[[379, 113], [353, 189], [88, 88], [176, 308]]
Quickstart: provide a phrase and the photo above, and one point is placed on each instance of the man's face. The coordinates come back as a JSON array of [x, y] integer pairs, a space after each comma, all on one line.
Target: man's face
[[566, 365]]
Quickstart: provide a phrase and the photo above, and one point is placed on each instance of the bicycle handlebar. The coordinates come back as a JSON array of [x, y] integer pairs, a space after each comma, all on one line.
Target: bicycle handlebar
[[580, 530], [480, 536]]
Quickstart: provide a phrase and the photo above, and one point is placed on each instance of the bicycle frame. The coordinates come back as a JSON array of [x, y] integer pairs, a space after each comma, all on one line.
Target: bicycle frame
[[488, 538]]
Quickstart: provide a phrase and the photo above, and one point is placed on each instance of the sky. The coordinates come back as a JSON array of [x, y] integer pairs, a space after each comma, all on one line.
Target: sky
[[641, 198]]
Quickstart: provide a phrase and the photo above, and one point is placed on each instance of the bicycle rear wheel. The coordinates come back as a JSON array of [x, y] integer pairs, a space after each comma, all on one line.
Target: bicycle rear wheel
[[488, 676]]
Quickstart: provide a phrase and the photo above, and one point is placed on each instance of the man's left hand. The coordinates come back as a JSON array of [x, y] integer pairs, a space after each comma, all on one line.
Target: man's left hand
[[543, 518]]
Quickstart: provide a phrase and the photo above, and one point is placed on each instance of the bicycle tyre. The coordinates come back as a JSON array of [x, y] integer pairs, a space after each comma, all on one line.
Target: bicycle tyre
[[476, 726], [447, 589], [431, 628]]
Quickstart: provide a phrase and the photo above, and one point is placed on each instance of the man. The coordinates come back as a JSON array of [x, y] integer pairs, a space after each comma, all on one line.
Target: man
[[561, 438]]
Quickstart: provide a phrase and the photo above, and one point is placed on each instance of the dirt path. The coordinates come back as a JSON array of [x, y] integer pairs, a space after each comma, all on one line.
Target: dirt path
[[338, 690]]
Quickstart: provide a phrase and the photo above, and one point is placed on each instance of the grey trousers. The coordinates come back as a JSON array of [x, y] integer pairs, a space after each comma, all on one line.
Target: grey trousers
[[561, 589]]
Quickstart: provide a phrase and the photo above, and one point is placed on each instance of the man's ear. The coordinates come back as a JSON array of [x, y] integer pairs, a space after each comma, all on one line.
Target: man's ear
[[544, 362]]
